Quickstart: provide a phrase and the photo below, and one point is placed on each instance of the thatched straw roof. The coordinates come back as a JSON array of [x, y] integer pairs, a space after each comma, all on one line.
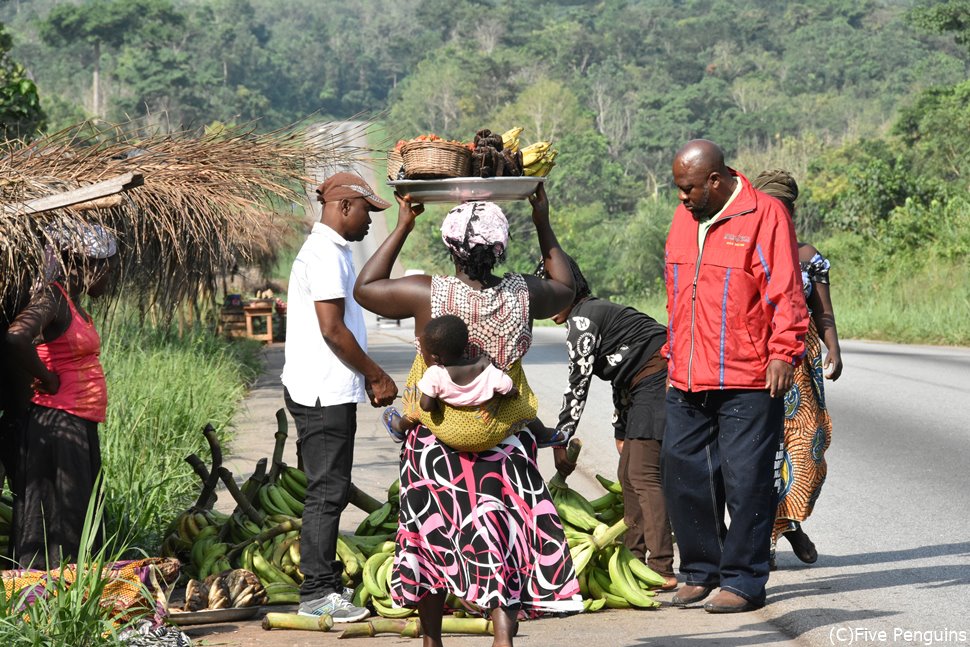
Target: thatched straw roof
[[207, 202]]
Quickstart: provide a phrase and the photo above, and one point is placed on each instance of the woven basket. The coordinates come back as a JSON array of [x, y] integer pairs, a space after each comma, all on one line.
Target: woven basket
[[394, 163], [435, 159]]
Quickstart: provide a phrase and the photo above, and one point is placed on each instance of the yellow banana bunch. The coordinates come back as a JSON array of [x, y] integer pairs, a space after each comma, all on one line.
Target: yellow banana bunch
[[538, 159], [534, 152], [510, 139], [539, 169]]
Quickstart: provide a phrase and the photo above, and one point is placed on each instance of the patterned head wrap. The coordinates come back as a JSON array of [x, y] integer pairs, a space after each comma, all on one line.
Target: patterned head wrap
[[472, 224], [777, 183], [77, 238], [89, 240]]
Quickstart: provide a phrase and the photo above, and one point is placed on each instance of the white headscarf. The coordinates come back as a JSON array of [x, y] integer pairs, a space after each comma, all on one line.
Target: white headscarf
[[475, 223]]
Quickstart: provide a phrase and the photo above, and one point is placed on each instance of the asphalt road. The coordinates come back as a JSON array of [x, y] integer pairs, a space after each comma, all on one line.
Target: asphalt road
[[892, 525]]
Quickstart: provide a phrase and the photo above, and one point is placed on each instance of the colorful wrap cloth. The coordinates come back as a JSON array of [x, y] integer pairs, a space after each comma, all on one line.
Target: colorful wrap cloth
[[808, 434], [126, 592], [481, 526], [471, 224]]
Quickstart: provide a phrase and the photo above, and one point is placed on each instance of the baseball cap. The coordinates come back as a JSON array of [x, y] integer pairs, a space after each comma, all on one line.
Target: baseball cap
[[341, 186]]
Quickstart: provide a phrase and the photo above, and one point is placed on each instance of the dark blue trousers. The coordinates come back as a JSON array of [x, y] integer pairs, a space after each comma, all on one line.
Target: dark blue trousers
[[325, 445], [718, 452]]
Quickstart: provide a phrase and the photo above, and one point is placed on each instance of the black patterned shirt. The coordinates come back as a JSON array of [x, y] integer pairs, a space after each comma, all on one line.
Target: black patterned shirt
[[609, 341]]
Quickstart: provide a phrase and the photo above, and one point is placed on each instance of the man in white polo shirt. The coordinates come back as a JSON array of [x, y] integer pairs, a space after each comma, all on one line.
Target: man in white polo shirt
[[327, 372]]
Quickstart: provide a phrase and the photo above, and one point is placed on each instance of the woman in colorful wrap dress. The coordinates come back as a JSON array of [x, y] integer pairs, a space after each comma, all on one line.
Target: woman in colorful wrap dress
[[478, 525], [808, 427]]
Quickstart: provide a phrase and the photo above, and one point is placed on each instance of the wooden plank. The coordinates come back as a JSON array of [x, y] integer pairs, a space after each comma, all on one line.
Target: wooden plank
[[109, 187], [100, 203]]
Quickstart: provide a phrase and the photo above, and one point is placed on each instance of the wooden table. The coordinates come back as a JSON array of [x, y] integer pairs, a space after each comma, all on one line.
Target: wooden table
[[259, 309]]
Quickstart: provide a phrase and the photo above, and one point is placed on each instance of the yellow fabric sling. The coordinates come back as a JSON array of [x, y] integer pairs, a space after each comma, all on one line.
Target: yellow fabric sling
[[473, 429]]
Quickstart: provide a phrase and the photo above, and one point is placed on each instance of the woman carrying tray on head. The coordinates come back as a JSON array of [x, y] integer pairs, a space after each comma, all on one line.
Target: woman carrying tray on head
[[482, 525]]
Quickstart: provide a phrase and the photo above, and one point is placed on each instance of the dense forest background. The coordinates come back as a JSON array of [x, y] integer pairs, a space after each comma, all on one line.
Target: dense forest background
[[867, 102]]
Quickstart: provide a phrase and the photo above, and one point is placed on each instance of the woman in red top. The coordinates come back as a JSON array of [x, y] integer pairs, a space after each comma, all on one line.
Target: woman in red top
[[55, 342]]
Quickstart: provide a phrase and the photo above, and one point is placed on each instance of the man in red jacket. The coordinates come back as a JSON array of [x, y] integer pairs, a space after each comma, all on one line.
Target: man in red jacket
[[737, 323]]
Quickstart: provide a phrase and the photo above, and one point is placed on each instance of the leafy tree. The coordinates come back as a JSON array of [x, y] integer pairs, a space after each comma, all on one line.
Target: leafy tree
[[21, 114], [951, 17], [547, 109], [585, 172], [450, 93], [639, 268], [937, 129], [109, 24], [857, 187], [229, 48]]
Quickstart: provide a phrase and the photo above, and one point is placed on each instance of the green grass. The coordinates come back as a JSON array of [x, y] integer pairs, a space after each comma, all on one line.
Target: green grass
[[162, 390], [908, 302], [60, 612]]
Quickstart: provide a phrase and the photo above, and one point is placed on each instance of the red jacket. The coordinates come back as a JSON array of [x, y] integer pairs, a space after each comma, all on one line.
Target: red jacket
[[739, 304]]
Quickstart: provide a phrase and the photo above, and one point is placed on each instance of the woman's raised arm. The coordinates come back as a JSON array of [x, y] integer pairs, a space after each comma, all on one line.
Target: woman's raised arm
[[376, 290], [549, 296]]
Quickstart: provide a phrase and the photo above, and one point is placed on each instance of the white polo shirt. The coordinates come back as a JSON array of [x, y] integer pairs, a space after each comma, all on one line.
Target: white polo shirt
[[323, 270]]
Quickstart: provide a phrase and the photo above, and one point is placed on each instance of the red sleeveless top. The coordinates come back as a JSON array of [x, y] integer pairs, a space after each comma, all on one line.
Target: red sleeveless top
[[74, 356]]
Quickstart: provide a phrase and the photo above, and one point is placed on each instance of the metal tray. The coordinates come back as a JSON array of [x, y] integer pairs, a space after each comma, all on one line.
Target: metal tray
[[466, 189], [212, 616]]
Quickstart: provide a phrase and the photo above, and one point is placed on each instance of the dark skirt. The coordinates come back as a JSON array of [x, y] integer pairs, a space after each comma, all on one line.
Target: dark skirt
[[60, 457], [481, 526]]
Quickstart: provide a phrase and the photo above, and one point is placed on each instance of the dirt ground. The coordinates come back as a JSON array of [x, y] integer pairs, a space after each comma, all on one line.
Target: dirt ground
[[668, 626]]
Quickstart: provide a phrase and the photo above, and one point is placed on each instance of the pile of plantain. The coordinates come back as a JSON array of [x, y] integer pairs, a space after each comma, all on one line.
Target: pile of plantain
[[497, 155], [261, 537], [235, 588]]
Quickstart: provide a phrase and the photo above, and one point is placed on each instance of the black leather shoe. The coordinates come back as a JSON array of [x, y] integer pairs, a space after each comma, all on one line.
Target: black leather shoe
[[727, 602], [688, 594], [801, 545]]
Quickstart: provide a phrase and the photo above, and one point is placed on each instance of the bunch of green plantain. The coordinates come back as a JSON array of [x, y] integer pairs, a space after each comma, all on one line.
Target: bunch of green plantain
[[382, 520], [368, 557], [375, 574], [609, 574], [194, 535], [286, 496], [276, 560]]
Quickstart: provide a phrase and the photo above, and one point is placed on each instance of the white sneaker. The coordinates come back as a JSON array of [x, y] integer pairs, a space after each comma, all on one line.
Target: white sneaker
[[335, 606]]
